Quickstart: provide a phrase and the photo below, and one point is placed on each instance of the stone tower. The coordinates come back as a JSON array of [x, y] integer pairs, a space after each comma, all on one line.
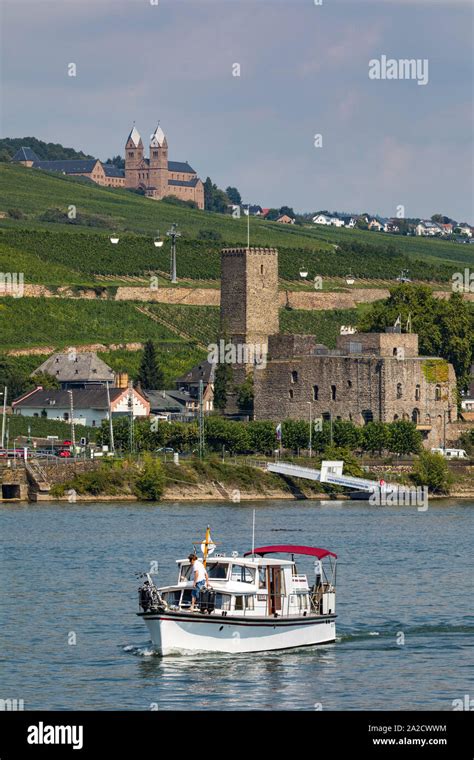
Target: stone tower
[[133, 158], [158, 174], [249, 300]]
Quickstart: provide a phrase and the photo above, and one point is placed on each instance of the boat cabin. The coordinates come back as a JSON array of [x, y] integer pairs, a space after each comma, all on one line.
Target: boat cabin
[[259, 585]]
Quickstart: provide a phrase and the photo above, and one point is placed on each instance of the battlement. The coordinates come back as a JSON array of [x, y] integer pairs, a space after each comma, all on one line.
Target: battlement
[[246, 251]]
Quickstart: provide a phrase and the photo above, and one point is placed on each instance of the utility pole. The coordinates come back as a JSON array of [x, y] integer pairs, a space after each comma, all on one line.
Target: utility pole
[[131, 440], [201, 421], [5, 391], [173, 234], [111, 427], [73, 432], [310, 429]]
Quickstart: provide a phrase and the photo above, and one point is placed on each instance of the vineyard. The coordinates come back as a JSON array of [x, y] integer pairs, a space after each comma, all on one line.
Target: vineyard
[[80, 256], [26, 322], [39, 195]]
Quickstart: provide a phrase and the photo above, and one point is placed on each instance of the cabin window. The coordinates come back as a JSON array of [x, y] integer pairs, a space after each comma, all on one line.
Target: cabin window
[[243, 574], [249, 602], [262, 577], [185, 574], [222, 601], [217, 570]]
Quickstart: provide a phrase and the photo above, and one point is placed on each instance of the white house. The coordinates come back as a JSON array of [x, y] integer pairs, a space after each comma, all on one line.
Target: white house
[[322, 219], [428, 228], [89, 407]]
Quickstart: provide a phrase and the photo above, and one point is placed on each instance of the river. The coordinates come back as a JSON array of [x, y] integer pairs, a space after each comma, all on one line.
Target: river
[[71, 639]]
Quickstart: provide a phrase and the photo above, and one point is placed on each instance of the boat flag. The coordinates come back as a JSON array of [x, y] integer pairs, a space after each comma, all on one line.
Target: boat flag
[[278, 431]]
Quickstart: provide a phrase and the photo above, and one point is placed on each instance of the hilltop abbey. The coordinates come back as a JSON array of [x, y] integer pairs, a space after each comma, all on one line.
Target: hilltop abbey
[[155, 177]]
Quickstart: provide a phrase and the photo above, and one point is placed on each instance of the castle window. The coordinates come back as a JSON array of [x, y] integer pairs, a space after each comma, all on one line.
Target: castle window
[[395, 417], [399, 390], [261, 268], [294, 376], [315, 392], [438, 393], [290, 393], [417, 393], [349, 383], [367, 416], [333, 392], [415, 416], [130, 153], [155, 154], [395, 351]]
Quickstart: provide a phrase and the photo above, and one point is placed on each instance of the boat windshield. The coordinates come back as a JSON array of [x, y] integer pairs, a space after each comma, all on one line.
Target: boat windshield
[[215, 571]]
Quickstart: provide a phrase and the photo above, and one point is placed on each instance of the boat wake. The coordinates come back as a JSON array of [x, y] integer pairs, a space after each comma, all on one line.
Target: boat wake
[[390, 629]]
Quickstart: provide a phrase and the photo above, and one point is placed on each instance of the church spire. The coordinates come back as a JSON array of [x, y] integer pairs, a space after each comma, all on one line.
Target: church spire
[[158, 138], [134, 136]]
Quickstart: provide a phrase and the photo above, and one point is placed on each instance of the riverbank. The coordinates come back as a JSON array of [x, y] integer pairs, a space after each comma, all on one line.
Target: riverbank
[[193, 480]]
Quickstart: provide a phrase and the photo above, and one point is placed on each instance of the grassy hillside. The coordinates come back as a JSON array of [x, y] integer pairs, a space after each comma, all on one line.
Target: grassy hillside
[[34, 192]]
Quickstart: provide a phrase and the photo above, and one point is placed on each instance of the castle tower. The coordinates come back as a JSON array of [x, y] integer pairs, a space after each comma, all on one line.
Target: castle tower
[[158, 175], [249, 303], [133, 158]]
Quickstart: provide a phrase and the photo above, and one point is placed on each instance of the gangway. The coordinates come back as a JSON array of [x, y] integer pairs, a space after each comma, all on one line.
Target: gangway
[[330, 472]]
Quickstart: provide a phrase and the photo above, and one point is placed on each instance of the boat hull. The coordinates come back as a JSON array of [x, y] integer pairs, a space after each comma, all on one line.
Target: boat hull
[[173, 633]]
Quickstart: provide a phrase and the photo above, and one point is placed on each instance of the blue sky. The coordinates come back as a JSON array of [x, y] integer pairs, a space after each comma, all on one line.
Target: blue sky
[[304, 71]]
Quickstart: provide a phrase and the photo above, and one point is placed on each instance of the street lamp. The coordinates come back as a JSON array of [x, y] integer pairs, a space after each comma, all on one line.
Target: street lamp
[[173, 234]]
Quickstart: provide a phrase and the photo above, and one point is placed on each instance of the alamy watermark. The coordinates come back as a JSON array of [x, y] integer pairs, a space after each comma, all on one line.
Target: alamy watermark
[[400, 496], [237, 353], [12, 284], [403, 68], [463, 282]]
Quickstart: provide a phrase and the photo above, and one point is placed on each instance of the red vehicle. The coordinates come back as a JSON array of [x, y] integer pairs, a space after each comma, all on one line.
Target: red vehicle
[[64, 453]]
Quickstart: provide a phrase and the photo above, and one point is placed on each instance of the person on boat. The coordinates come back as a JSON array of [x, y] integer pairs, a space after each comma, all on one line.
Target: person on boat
[[200, 578]]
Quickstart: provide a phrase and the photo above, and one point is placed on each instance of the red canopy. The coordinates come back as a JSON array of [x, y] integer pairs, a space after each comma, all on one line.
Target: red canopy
[[289, 549]]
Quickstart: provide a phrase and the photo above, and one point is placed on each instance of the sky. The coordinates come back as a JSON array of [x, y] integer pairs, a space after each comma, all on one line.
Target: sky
[[304, 71]]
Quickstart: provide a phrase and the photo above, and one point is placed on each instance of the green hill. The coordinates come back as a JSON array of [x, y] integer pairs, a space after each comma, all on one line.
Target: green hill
[[34, 193], [45, 151]]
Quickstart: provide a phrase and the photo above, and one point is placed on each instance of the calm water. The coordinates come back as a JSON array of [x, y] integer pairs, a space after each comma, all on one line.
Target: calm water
[[72, 569]]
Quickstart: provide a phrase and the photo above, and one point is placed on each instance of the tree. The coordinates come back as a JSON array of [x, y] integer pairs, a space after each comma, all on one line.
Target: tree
[[208, 195], [150, 375], [375, 437], [403, 437], [117, 161], [234, 195], [444, 327], [432, 470], [150, 482], [346, 434], [437, 218], [222, 379], [273, 214], [262, 436], [245, 396], [45, 380], [295, 434], [288, 211]]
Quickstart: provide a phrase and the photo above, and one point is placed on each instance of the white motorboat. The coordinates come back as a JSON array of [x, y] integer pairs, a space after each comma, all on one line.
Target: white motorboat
[[253, 603]]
